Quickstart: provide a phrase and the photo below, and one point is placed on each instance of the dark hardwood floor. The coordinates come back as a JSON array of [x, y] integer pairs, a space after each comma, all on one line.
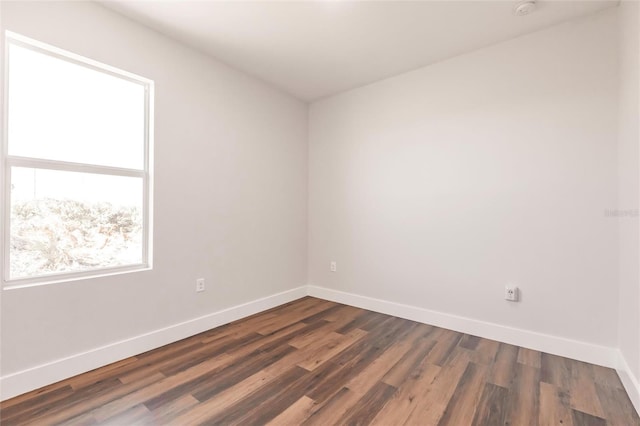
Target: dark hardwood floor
[[322, 363]]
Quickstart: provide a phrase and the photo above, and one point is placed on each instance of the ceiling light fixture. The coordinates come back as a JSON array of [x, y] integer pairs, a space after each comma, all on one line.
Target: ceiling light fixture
[[524, 8]]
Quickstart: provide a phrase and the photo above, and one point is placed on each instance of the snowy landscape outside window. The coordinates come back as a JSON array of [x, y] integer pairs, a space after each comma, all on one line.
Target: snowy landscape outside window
[[77, 166]]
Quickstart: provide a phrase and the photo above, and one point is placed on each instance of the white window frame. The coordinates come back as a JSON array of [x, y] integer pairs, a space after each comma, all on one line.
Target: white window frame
[[10, 161]]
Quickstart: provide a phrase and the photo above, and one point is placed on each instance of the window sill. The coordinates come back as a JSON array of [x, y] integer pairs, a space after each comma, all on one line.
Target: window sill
[[70, 277]]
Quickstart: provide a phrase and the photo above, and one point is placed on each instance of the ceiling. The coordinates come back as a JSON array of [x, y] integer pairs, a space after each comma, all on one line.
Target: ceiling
[[312, 49]]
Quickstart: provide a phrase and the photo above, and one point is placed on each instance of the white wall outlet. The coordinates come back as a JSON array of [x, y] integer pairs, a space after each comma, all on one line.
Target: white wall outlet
[[511, 293], [200, 285], [333, 266]]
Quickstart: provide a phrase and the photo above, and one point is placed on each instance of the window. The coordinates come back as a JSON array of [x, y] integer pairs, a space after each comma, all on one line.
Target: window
[[77, 166]]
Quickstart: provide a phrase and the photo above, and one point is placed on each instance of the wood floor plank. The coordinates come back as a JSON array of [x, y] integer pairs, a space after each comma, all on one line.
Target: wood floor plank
[[491, 407], [358, 386], [138, 414], [287, 313], [86, 403], [300, 340], [503, 369], [366, 319], [523, 403], [87, 420], [187, 353], [556, 370], [461, 409], [368, 406], [440, 392], [45, 408], [267, 402], [370, 376], [38, 401], [380, 366], [240, 369], [277, 338], [294, 414], [173, 408], [554, 407], [357, 357], [529, 357], [286, 320], [333, 310], [208, 351], [36, 395], [446, 344], [469, 342], [161, 387], [238, 328], [223, 398], [485, 352], [335, 321], [584, 397], [376, 319], [615, 403], [317, 362], [410, 361], [334, 347], [117, 368], [411, 395], [585, 419], [331, 410], [347, 311], [606, 377], [213, 406]]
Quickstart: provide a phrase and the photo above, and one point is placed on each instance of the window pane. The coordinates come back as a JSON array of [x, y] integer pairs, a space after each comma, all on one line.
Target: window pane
[[68, 221], [59, 110]]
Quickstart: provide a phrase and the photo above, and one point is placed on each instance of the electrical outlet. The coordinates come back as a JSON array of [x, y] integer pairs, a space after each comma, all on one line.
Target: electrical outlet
[[511, 294], [334, 266], [200, 285]]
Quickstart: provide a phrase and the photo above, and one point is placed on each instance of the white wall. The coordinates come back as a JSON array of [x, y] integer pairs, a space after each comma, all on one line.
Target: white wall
[[437, 187], [230, 198], [628, 178]]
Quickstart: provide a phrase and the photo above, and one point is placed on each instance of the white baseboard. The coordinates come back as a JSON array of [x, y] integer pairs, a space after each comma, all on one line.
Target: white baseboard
[[629, 381], [33, 378], [582, 351]]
